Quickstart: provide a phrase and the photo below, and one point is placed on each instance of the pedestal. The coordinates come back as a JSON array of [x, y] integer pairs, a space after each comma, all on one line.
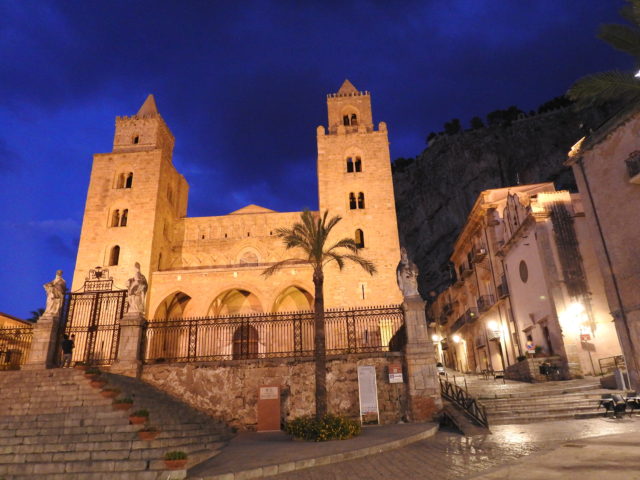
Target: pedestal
[[128, 360], [422, 376], [43, 344]]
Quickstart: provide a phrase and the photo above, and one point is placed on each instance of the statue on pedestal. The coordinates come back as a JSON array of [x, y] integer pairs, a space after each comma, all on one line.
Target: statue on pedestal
[[55, 289], [407, 275], [137, 291]]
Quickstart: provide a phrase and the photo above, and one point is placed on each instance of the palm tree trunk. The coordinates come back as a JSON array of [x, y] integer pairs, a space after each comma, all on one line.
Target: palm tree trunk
[[319, 342]]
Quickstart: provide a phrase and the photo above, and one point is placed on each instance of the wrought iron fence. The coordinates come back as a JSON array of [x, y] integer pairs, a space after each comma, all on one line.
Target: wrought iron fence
[[272, 335], [485, 302], [15, 343], [609, 364], [461, 398]]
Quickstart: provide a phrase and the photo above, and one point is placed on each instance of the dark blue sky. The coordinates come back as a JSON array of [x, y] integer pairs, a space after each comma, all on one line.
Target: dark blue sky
[[242, 86]]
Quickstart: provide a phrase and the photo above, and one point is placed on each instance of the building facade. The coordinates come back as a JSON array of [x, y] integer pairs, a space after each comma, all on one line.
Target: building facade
[[136, 211], [525, 282]]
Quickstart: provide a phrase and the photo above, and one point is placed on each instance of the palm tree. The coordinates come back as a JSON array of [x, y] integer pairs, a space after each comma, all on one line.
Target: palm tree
[[35, 314], [310, 237], [615, 85]]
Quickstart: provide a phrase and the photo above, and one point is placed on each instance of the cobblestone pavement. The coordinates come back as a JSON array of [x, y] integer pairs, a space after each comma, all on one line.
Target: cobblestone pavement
[[449, 455]]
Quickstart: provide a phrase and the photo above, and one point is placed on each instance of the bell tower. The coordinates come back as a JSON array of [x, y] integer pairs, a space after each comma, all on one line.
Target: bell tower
[[354, 181], [135, 197]]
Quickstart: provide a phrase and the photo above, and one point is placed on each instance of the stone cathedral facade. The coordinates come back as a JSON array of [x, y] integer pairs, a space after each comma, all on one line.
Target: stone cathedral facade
[[136, 211]]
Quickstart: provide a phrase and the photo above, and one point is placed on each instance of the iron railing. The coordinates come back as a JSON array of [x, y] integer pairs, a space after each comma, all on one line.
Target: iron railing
[[461, 398], [15, 343], [273, 335], [485, 302], [503, 288], [609, 364]]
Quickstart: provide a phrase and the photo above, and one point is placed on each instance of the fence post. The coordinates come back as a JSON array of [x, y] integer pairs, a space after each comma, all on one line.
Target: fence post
[[43, 344], [129, 361]]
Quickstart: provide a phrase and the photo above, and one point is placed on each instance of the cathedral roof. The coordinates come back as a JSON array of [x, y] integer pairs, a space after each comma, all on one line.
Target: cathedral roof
[[347, 88], [252, 209], [149, 107]]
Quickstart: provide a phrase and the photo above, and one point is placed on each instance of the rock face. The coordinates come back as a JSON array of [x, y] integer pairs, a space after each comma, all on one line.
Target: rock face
[[435, 193]]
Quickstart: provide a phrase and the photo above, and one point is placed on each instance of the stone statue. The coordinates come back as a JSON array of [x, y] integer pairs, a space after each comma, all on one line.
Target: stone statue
[[55, 289], [137, 291], [407, 274]]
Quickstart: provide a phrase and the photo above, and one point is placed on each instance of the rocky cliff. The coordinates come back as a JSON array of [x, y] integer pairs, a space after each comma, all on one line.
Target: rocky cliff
[[435, 192]]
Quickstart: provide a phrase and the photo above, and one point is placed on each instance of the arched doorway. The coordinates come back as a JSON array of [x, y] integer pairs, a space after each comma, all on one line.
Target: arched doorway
[[245, 342], [171, 340]]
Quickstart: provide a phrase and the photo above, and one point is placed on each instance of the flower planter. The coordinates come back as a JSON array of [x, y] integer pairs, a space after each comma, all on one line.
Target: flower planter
[[147, 435], [98, 383], [175, 464], [122, 406], [137, 420], [91, 376], [109, 393]]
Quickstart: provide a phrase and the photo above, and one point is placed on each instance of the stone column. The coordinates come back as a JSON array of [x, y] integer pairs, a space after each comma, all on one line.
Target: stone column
[[128, 361], [43, 343], [423, 385]]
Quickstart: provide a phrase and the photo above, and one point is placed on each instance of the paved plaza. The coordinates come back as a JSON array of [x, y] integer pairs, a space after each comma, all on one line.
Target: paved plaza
[[586, 449]]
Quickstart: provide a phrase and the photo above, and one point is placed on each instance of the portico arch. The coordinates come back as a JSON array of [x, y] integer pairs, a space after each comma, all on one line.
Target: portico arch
[[293, 298], [173, 306], [235, 301]]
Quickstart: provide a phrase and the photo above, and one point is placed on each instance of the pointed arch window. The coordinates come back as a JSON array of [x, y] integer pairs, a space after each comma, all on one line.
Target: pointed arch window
[[114, 255], [345, 120], [359, 238], [354, 119], [352, 201], [136, 139], [123, 218], [360, 200], [349, 165], [129, 180], [358, 164], [120, 181], [115, 218]]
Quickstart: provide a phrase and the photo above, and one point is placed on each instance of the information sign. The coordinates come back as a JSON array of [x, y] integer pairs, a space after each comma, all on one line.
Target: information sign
[[395, 373], [368, 391]]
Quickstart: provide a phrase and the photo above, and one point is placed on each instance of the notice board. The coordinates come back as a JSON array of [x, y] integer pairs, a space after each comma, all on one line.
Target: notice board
[[368, 393]]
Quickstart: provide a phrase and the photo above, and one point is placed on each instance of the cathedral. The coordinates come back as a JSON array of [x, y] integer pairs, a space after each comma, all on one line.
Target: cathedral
[[136, 211]]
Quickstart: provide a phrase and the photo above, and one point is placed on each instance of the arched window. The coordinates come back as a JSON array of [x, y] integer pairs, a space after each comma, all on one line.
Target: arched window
[[115, 218], [129, 181], [349, 165], [245, 342], [123, 219], [136, 139], [361, 200], [359, 238], [120, 181], [345, 120], [358, 164], [354, 120], [114, 256], [352, 201]]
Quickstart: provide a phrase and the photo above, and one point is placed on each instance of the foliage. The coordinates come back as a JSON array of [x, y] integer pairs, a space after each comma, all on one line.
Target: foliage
[[35, 314], [92, 371], [554, 104], [399, 164], [309, 236], [143, 412], [111, 389], [452, 127], [175, 455], [476, 123], [614, 85], [123, 399], [504, 117], [329, 427]]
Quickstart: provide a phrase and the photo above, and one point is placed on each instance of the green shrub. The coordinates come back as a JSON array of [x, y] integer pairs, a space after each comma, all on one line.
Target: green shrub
[[175, 455], [330, 427], [92, 371], [143, 412], [123, 400]]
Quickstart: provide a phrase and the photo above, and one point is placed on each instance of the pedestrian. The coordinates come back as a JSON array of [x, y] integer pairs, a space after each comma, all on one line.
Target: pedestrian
[[67, 346]]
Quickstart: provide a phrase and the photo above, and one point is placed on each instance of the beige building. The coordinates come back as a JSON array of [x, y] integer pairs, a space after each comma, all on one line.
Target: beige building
[[526, 276], [136, 211], [606, 165]]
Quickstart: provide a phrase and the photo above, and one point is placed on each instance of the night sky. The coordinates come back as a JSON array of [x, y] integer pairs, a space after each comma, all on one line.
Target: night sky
[[243, 85]]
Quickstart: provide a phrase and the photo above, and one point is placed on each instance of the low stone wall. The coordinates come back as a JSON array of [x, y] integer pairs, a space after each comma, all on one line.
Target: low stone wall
[[529, 370], [229, 390]]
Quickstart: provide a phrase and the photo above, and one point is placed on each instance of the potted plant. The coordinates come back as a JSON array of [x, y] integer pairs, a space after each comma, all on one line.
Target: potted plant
[[139, 416], [110, 392], [124, 403], [175, 460], [148, 433]]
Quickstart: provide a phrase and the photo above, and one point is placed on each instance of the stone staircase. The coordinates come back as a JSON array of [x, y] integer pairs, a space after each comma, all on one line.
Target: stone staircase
[[511, 402], [54, 425]]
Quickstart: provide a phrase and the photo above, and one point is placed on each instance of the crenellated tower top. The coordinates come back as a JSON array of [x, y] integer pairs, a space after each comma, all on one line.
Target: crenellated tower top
[[349, 110]]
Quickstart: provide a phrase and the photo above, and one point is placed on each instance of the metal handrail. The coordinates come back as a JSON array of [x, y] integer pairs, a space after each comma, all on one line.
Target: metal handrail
[[461, 398]]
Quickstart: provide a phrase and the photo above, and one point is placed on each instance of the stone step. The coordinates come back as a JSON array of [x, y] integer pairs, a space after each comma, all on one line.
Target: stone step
[[139, 475], [543, 412], [74, 467]]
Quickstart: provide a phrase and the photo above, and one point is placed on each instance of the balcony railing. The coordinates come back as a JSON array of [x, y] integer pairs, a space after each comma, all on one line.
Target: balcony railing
[[503, 288], [458, 324], [465, 270], [633, 167], [485, 302], [14, 346], [471, 315], [479, 254]]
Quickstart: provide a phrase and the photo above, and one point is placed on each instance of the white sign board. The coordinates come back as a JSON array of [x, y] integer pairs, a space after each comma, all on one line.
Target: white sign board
[[268, 393], [368, 392]]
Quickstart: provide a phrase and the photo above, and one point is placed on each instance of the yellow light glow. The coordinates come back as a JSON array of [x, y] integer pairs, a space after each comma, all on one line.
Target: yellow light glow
[[493, 325], [435, 338], [575, 309], [456, 338]]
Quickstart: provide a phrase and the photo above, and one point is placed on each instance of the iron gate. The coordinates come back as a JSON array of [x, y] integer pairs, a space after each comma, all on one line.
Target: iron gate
[[93, 316]]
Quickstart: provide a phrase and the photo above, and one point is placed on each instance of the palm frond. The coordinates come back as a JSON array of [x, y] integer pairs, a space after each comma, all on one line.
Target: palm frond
[[605, 86], [631, 12], [622, 37], [267, 272], [366, 265], [334, 257], [348, 243]]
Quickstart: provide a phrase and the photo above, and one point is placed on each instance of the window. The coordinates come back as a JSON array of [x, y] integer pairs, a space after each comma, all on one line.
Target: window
[[524, 271], [120, 181], [358, 164], [361, 200], [136, 139], [123, 218], [114, 256], [345, 120], [349, 165], [115, 218], [352, 201], [359, 238], [129, 180], [354, 119]]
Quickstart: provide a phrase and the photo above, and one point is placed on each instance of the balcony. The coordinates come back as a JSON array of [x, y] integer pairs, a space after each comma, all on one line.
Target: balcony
[[503, 288], [479, 254], [447, 309], [443, 319], [465, 270], [471, 315], [485, 302], [458, 324], [480, 341], [633, 167]]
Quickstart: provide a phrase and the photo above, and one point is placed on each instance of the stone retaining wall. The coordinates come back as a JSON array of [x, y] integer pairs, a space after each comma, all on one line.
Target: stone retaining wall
[[229, 390], [529, 370]]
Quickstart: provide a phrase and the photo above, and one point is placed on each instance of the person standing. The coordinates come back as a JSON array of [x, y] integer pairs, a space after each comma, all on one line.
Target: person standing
[[67, 346]]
